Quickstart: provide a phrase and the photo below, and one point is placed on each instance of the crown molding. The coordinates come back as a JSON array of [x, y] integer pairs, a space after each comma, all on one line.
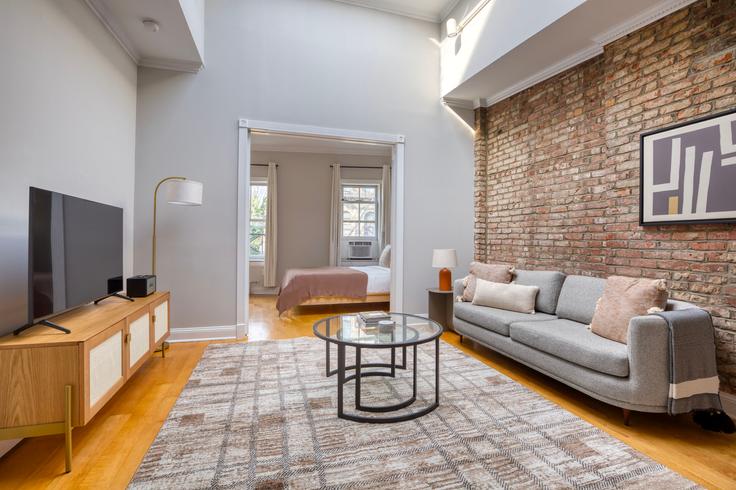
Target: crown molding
[[413, 14], [653, 14], [171, 64], [113, 26], [108, 20], [569, 62], [457, 103]]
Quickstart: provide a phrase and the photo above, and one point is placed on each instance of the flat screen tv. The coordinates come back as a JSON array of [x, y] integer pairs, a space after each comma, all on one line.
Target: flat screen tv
[[75, 253]]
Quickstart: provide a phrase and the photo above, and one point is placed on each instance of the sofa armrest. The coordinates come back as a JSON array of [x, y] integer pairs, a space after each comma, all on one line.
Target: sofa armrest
[[648, 342], [458, 288]]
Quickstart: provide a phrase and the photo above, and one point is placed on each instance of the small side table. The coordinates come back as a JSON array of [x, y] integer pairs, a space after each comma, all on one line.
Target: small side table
[[440, 307]]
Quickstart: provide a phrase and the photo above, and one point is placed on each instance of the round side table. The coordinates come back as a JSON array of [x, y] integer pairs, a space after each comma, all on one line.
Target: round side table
[[440, 307]]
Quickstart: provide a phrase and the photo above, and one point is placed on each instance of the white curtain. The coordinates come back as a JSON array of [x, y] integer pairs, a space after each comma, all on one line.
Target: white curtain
[[269, 266], [386, 206], [335, 209]]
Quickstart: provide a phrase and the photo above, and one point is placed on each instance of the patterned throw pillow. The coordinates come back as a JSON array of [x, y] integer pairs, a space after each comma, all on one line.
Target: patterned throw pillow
[[487, 272], [624, 298]]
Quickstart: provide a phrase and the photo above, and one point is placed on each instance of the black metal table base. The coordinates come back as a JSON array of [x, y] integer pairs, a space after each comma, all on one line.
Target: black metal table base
[[358, 367]]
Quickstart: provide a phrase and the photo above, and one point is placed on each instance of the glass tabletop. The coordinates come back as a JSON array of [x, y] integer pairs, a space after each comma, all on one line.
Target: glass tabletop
[[351, 330]]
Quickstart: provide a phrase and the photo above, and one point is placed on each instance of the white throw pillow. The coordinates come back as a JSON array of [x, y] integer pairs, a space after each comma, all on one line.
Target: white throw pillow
[[512, 297], [385, 259]]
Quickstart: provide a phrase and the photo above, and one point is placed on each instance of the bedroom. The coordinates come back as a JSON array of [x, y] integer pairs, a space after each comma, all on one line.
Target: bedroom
[[324, 206]]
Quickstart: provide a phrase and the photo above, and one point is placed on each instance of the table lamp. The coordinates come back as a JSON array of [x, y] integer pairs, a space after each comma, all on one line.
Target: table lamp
[[444, 259]]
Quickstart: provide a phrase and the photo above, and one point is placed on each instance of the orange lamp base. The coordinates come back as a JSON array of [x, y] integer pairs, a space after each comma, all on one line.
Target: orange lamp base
[[445, 280]]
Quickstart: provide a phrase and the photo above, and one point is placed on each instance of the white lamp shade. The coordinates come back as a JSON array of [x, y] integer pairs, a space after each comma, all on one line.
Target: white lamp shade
[[184, 192], [444, 258]]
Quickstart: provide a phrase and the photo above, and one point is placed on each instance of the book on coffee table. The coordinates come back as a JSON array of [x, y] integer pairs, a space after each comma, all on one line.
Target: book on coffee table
[[373, 316]]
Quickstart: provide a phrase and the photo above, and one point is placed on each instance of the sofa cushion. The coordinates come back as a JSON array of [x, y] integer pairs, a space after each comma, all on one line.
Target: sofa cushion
[[494, 319], [487, 272], [511, 297], [623, 299], [578, 297], [573, 342], [549, 284]]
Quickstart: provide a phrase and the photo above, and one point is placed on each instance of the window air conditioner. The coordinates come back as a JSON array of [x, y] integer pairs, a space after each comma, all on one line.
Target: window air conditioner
[[360, 250]]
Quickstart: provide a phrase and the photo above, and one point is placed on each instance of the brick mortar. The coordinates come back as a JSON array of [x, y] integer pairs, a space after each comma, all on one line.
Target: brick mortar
[[557, 165]]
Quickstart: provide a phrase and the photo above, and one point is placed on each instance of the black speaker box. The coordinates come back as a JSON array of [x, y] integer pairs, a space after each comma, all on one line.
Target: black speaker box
[[141, 286]]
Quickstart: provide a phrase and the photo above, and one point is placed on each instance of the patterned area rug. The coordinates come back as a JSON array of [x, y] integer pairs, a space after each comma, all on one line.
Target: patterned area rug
[[263, 415]]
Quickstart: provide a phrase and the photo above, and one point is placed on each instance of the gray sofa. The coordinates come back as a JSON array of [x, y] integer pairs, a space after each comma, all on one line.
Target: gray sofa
[[555, 341]]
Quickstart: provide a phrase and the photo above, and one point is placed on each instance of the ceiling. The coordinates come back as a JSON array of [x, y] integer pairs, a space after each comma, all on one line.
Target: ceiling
[[429, 10], [574, 38], [174, 46], [301, 144]]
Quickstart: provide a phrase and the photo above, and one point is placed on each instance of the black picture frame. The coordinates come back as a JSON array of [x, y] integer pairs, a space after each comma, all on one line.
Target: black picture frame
[[642, 137]]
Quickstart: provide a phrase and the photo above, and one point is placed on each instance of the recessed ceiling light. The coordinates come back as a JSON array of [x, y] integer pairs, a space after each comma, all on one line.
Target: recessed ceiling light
[[151, 25]]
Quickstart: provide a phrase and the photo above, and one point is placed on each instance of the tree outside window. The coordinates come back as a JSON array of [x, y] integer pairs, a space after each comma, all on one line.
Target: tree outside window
[[258, 208], [359, 216]]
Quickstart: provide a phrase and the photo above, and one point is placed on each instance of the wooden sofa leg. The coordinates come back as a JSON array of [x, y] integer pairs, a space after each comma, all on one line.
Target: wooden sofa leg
[[627, 415], [461, 339]]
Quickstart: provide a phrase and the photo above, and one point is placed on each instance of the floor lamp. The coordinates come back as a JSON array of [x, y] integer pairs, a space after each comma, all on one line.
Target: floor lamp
[[183, 192]]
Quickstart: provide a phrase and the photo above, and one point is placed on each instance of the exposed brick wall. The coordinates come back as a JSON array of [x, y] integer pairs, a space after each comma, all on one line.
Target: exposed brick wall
[[557, 165]]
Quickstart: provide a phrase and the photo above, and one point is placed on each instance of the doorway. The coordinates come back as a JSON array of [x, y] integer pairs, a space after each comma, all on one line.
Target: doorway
[[250, 129]]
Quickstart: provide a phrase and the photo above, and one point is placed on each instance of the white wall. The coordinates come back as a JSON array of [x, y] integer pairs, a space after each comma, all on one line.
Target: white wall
[[67, 113], [304, 182], [312, 62], [500, 26], [194, 13]]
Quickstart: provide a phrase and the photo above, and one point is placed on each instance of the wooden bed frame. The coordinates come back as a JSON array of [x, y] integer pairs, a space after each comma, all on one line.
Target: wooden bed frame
[[344, 300]]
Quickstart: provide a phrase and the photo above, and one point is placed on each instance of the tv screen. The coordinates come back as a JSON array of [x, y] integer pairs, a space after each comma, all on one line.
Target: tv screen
[[75, 252]]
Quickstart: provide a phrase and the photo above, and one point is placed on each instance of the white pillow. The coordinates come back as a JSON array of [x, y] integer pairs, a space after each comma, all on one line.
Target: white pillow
[[385, 259], [512, 297]]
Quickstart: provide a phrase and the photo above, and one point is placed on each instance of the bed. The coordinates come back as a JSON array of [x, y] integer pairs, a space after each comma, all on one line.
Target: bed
[[334, 285]]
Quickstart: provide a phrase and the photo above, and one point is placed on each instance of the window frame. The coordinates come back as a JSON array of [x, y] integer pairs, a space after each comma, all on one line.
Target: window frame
[[262, 182], [377, 203]]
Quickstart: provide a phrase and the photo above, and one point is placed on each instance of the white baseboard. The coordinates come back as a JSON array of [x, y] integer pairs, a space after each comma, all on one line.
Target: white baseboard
[[6, 446], [728, 401], [196, 334]]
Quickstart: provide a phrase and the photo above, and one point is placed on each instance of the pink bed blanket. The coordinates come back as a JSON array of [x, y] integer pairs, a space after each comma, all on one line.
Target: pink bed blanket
[[300, 285]]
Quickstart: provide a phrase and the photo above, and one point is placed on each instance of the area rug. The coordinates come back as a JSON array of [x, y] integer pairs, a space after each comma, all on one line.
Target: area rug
[[263, 415]]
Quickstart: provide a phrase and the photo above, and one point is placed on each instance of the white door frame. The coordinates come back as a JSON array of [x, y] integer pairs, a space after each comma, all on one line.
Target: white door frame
[[245, 129]]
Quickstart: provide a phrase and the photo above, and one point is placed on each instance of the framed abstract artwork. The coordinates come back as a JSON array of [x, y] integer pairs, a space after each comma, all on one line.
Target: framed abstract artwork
[[688, 172]]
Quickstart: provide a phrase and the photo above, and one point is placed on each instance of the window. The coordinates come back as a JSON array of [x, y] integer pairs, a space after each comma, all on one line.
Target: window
[[258, 203], [359, 204]]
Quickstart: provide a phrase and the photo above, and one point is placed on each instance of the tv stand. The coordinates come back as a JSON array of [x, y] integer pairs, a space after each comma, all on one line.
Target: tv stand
[[114, 295], [45, 323], [59, 382]]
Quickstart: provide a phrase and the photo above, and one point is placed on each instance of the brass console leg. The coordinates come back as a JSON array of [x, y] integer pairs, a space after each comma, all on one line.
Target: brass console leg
[[162, 349], [68, 427]]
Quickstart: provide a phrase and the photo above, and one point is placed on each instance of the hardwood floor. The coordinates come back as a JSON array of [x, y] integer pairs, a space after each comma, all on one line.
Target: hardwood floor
[[108, 450]]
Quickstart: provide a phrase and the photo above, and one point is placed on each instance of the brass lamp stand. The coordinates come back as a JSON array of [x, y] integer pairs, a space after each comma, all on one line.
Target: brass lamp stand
[[182, 192]]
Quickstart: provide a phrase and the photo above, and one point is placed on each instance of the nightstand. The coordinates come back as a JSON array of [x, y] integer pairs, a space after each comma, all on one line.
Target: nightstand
[[440, 307]]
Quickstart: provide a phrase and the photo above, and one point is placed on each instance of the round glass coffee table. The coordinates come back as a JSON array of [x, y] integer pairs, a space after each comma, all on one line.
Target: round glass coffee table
[[407, 331]]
